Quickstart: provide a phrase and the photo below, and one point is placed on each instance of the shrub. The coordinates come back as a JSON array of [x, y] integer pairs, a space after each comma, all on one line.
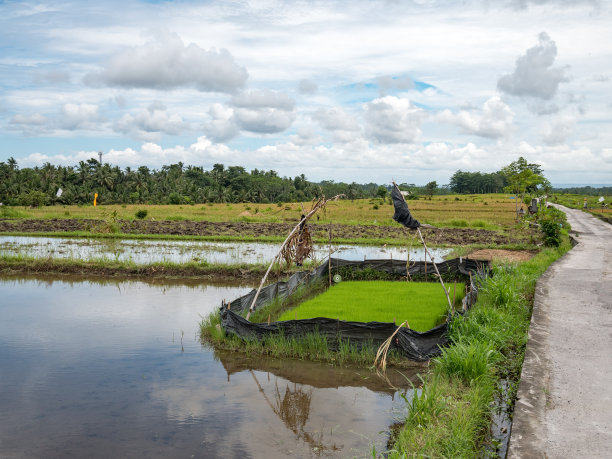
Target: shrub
[[34, 198], [141, 213], [551, 221], [175, 198]]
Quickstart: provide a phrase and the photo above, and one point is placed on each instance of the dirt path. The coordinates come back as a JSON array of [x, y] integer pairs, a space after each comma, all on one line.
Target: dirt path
[[564, 406]]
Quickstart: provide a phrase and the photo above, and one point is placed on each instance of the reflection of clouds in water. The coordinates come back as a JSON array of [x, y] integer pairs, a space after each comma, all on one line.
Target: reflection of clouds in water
[[113, 317], [276, 417], [89, 367], [144, 251]]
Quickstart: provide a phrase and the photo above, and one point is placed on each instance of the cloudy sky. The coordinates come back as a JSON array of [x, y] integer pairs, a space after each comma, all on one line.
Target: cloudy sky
[[340, 90]]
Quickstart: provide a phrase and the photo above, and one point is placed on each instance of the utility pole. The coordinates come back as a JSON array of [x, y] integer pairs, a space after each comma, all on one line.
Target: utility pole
[[100, 155]]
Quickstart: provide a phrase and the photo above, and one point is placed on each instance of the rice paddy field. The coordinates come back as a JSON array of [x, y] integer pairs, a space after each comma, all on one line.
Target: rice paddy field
[[423, 305], [491, 211]]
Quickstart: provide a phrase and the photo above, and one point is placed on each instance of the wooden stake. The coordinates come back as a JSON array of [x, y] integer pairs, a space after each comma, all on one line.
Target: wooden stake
[[436, 268], [329, 256]]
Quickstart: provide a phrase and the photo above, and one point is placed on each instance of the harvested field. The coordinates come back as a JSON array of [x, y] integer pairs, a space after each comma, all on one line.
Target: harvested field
[[512, 256]]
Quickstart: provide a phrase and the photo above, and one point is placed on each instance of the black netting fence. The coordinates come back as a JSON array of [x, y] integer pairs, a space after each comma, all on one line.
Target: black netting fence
[[414, 345]]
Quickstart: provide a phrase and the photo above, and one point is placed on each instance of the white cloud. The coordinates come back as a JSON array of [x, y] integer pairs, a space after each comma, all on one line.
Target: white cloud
[[71, 117], [317, 53], [495, 121], [534, 74], [257, 98], [343, 126], [390, 119], [36, 119], [150, 123], [30, 125], [166, 63], [558, 130], [263, 111], [222, 125], [305, 135], [307, 87], [79, 116]]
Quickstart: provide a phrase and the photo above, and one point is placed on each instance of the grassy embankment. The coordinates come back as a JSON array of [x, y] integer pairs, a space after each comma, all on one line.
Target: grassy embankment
[[451, 415], [12, 264], [423, 305]]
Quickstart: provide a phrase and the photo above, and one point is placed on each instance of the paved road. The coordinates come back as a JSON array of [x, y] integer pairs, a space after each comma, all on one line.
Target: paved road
[[564, 406]]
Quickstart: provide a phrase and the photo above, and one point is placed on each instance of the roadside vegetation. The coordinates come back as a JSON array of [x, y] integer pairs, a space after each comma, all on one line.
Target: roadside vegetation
[[595, 207], [450, 416]]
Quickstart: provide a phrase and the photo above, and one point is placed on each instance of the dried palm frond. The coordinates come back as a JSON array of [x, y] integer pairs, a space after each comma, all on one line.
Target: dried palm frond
[[384, 349]]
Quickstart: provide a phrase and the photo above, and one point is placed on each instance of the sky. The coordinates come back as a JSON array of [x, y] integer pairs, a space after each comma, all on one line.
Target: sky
[[364, 91]]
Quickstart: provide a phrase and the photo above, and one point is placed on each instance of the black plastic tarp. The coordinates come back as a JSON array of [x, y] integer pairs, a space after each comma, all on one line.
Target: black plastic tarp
[[402, 214], [412, 344]]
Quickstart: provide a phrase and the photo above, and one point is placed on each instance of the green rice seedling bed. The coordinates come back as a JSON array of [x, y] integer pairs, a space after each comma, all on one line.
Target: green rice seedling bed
[[423, 305]]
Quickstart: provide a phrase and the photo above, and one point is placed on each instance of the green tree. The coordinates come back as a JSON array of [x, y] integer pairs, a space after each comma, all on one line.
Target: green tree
[[430, 189], [381, 192], [522, 178]]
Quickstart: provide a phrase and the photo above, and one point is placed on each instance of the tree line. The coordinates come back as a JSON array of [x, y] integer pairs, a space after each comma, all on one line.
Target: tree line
[[180, 184], [173, 184]]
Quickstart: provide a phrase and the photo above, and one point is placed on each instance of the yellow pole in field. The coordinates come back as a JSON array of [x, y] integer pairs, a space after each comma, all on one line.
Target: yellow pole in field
[[95, 199]]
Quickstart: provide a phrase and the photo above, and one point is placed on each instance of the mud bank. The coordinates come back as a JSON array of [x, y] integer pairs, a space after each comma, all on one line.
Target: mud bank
[[255, 230]]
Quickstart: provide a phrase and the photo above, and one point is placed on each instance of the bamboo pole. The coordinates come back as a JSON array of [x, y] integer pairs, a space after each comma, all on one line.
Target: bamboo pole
[[450, 306], [313, 211], [329, 268]]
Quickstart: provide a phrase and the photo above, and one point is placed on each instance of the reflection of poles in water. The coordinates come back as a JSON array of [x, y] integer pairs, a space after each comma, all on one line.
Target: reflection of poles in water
[[293, 408]]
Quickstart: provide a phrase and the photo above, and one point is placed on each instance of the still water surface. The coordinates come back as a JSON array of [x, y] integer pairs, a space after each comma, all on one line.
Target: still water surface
[[152, 251], [103, 369]]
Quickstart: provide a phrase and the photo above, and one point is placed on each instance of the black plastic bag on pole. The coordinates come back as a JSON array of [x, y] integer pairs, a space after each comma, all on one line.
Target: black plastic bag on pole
[[402, 214]]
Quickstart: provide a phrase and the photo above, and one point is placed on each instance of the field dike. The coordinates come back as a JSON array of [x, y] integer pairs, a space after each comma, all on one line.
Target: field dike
[[332, 339]]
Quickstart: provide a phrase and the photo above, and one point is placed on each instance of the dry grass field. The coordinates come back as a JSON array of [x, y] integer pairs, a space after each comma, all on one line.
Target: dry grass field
[[490, 211]]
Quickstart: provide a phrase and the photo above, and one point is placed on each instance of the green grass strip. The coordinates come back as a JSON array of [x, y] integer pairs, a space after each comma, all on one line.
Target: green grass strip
[[423, 305], [451, 415]]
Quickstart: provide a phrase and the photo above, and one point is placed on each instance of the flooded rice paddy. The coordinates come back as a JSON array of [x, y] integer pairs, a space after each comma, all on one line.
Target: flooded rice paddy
[[116, 369], [153, 251]]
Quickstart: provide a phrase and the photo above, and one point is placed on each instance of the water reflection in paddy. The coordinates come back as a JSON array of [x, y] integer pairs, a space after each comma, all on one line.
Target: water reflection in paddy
[[116, 369], [151, 251]]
